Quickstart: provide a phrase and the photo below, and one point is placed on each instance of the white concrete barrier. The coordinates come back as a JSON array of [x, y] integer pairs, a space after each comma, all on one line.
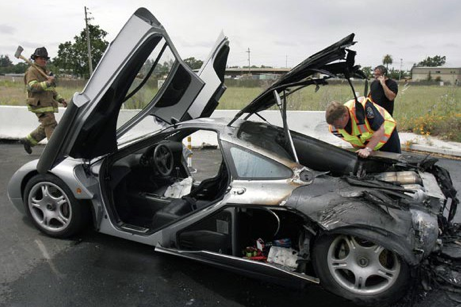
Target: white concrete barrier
[[16, 122]]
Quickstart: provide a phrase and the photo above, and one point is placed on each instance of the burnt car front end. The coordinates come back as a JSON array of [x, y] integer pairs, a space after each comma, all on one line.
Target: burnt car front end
[[374, 220], [409, 207]]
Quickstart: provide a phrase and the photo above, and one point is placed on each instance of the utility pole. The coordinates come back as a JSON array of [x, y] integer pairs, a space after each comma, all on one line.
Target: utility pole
[[90, 65], [400, 72], [249, 62]]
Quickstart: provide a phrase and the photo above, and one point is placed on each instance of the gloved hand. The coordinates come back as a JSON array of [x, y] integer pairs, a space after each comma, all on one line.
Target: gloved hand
[[63, 102], [51, 81]]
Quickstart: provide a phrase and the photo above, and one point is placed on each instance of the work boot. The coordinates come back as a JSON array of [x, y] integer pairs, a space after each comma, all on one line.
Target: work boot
[[26, 145]]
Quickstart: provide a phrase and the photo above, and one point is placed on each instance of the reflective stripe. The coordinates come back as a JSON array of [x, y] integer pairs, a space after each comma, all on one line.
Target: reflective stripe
[[31, 140], [362, 128], [335, 132], [44, 85], [30, 86], [35, 86], [43, 109]]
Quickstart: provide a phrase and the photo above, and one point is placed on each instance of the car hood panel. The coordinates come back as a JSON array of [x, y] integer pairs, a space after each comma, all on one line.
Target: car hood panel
[[314, 64]]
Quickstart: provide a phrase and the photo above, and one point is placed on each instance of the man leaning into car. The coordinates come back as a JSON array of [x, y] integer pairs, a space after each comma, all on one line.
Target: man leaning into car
[[365, 125]]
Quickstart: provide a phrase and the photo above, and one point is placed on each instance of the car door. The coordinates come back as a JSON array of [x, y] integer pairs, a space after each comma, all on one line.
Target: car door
[[88, 128]]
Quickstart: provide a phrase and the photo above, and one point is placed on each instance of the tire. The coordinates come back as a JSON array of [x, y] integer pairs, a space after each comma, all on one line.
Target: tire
[[53, 208], [360, 270]]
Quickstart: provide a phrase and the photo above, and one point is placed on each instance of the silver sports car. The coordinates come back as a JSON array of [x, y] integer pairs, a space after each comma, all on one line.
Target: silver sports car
[[279, 204]]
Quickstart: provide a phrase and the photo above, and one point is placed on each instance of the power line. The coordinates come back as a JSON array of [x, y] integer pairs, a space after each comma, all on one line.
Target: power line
[[249, 63]]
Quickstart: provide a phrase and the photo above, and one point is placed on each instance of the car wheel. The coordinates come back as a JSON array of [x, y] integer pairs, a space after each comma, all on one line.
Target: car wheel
[[52, 207], [360, 270]]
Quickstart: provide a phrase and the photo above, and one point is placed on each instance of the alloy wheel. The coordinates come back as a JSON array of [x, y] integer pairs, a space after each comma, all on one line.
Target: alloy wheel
[[361, 266], [49, 206]]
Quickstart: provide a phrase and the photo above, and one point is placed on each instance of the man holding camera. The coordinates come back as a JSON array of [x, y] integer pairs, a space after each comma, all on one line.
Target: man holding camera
[[383, 90]]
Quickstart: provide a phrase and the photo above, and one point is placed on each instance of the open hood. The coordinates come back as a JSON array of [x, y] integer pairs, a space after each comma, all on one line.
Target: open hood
[[140, 70], [331, 61]]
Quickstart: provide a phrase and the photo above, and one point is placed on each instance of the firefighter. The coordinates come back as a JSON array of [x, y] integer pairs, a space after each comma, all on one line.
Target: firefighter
[[365, 125], [42, 99]]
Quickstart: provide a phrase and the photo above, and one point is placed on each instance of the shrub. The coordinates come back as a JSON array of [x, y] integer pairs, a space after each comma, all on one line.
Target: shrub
[[442, 119]]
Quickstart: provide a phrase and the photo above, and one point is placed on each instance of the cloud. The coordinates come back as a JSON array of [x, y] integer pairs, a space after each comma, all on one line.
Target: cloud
[[5, 29], [286, 43], [416, 46], [451, 45], [276, 34]]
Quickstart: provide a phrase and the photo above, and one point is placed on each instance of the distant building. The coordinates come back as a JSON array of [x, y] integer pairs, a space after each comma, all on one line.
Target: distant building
[[446, 74], [266, 76], [266, 73], [13, 77]]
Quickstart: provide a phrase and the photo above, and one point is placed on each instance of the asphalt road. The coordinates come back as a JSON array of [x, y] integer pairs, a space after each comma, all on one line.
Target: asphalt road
[[98, 270]]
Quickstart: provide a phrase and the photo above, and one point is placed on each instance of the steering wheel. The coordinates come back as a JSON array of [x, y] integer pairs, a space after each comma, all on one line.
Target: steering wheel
[[163, 159]]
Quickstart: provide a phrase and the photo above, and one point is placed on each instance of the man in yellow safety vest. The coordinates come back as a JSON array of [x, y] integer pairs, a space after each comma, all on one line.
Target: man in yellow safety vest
[[365, 125], [42, 99]]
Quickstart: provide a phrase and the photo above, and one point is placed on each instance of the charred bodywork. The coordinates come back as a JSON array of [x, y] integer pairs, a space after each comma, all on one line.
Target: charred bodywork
[[279, 205]]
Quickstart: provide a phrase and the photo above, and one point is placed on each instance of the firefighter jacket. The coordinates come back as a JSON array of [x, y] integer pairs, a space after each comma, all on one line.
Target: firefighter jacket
[[361, 130], [41, 95]]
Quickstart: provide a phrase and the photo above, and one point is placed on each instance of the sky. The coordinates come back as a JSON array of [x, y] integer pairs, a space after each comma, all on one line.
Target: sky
[[278, 33]]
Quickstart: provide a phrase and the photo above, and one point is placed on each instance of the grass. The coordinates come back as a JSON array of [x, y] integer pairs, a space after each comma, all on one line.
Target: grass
[[427, 110], [14, 93], [430, 110]]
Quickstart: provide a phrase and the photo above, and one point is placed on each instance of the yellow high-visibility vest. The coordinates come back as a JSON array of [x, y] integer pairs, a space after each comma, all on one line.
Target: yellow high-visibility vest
[[361, 129]]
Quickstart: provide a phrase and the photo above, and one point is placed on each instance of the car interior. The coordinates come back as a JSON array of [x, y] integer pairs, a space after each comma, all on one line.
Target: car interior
[[153, 186]]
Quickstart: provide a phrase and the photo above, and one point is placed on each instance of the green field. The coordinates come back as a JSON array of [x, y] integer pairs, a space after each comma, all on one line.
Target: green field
[[428, 110]]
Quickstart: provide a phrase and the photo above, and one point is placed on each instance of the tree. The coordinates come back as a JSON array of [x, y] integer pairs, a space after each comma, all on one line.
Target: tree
[[433, 61], [396, 74], [5, 61], [367, 71], [73, 57], [387, 60], [6, 65], [19, 68], [163, 69], [193, 63]]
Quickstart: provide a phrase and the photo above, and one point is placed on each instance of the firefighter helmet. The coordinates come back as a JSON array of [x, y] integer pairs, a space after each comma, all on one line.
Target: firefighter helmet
[[40, 52]]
